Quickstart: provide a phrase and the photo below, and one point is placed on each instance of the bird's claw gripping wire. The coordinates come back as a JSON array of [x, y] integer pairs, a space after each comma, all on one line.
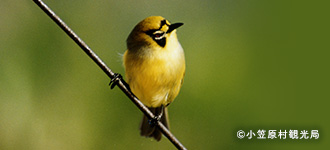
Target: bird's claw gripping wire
[[157, 118], [114, 80], [154, 120]]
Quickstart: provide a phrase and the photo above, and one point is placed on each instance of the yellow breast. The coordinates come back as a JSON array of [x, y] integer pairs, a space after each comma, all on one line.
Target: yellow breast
[[156, 76]]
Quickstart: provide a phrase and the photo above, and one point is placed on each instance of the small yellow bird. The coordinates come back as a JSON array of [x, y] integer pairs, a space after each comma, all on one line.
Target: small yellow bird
[[155, 66]]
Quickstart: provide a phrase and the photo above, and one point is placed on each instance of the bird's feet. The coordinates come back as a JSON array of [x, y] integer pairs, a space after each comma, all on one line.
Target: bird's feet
[[154, 121], [114, 80], [157, 118]]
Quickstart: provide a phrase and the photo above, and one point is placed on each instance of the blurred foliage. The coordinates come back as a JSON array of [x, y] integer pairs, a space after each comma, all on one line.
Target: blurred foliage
[[250, 65]]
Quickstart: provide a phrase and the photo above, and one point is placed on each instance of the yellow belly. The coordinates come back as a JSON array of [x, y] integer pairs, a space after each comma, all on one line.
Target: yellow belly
[[155, 81]]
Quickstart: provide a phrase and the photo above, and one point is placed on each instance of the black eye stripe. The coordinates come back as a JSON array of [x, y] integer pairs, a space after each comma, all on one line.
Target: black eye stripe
[[158, 36]]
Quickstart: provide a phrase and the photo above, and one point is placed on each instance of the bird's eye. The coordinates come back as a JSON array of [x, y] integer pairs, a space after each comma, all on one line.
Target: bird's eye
[[159, 35]]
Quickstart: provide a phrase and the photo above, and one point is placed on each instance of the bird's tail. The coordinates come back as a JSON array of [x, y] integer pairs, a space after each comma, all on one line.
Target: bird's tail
[[150, 130]]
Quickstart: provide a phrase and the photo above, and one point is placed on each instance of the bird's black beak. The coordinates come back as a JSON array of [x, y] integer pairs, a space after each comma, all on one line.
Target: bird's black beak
[[173, 27]]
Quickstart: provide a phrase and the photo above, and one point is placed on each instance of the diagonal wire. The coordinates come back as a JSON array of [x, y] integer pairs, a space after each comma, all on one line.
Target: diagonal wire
[[119, 81]]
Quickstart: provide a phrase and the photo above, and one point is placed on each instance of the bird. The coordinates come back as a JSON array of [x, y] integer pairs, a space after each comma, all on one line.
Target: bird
[[154, 65]]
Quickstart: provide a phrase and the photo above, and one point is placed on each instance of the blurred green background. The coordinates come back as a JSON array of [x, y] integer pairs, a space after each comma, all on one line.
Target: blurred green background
[[250, 65]]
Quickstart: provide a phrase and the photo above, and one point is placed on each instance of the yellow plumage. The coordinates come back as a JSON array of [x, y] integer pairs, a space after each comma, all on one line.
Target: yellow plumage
[[155, 65]]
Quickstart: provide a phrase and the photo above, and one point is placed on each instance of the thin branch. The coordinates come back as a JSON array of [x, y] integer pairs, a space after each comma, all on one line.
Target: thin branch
[[119, 81]]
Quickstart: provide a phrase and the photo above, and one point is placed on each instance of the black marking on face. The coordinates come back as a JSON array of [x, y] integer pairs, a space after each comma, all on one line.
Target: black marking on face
[[162, 23], [158, 35]]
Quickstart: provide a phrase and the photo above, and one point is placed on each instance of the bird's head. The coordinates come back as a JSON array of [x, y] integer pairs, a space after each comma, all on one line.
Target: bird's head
[[153, 31]]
